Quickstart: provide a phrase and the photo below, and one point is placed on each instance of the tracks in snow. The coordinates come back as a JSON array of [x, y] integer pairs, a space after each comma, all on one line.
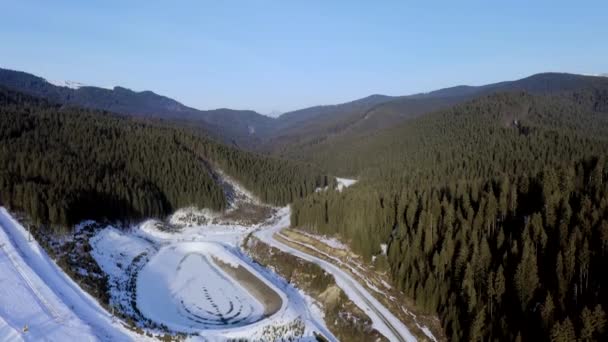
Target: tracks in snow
[[42, 302]]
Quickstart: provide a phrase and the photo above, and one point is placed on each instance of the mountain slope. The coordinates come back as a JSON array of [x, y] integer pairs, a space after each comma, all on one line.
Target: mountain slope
[[543, 83], [64, 164], [241, 127], [492, 213], [362, 125], [292, 134]]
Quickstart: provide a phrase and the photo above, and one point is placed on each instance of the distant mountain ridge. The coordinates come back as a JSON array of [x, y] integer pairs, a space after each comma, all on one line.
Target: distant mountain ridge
[[230, 126], [345, 121], [293, 132]]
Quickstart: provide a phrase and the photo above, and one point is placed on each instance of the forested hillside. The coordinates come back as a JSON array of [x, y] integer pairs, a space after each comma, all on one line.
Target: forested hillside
[[64, 164], [244, 128], [495, 213], [298, 135], [343, 125]]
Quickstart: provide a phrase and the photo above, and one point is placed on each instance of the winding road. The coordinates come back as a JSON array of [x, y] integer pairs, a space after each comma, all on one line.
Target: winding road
[[383, 320]]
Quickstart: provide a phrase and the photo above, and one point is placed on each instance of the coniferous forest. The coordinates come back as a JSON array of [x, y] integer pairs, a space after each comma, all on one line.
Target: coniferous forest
[[304, 171], [495, 213], [64, 164]]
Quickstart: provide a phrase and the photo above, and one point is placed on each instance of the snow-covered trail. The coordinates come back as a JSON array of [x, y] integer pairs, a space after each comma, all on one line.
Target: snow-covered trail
[[383, 320], [35, 292]]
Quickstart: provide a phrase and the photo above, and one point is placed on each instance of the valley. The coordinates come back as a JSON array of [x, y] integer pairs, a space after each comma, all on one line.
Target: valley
[[303, 171], [427, 217], [190, 278]]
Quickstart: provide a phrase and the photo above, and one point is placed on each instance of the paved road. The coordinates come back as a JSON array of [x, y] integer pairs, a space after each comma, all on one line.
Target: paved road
[[383, 320]]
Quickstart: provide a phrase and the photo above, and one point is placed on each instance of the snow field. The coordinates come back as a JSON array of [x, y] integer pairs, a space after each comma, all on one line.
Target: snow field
[[114, 250], [113, 247], [35, 292], [182, 287]]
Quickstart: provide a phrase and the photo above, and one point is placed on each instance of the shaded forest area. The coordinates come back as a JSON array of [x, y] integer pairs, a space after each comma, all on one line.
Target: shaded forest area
[[495, 213], [63, 164]]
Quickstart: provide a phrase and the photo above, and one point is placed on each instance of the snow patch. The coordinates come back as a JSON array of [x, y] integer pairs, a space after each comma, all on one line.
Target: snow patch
[[344, 183], [67, 84], [114, 250], [192, 216], [383, 248], [332, 242]]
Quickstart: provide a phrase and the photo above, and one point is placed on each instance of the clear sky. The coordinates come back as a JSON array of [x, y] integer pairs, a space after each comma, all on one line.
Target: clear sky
[[275, 56]]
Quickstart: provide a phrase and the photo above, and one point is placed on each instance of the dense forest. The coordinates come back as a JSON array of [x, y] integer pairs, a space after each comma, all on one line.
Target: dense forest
[[495, 213], [62, 164]]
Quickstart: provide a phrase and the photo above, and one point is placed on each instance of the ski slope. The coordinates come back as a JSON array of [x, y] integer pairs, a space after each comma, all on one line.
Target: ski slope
[[383, 320], [35, 293]]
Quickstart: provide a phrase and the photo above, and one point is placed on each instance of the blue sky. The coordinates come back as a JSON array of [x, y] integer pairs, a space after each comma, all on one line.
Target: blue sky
[[274, 56]]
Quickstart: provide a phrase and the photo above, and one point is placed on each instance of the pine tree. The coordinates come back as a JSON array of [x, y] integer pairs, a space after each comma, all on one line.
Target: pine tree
[[563, 332], [478, 326], [547, 311], [526, 275]]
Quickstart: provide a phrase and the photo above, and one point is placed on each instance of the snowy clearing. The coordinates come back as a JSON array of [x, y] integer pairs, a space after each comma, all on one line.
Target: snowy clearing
[[196, 280], [183, 287]]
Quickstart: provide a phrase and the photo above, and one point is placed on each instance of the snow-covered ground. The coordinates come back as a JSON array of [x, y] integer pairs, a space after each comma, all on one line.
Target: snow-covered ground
[[173, 277], [171, 282], [182, 287], [36, 296]]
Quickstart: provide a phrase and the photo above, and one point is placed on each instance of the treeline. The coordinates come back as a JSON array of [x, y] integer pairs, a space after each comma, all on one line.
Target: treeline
[[64, 164], [495, 214]]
